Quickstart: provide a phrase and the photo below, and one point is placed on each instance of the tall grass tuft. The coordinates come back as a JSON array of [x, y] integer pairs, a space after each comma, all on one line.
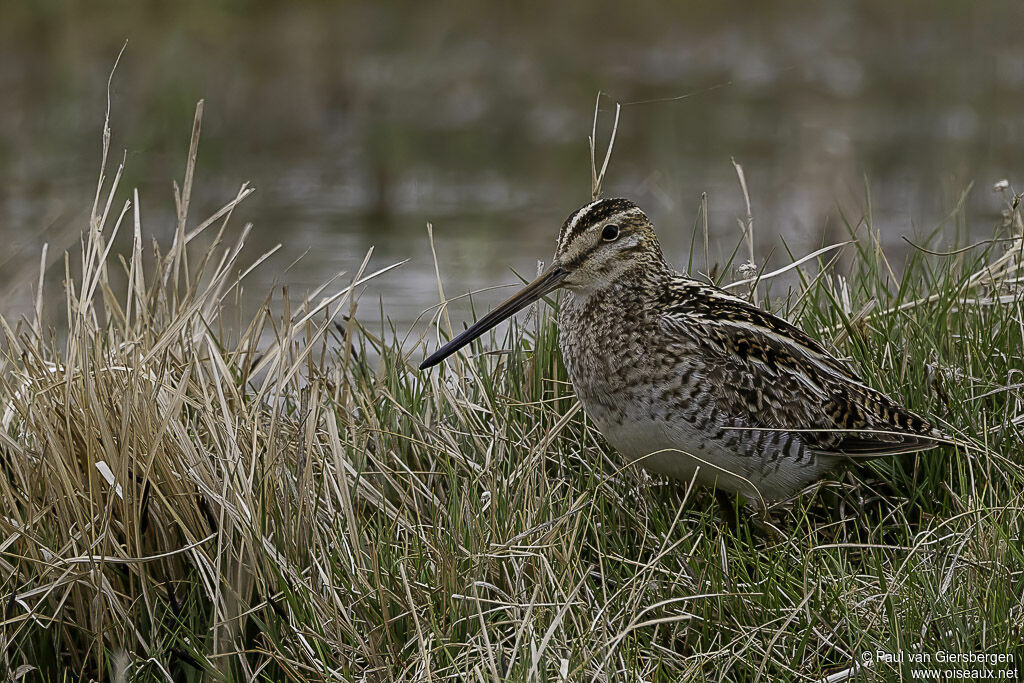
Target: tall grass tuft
[[186, 496]]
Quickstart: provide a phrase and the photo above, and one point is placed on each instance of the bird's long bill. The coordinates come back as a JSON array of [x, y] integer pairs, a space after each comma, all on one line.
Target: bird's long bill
[[544, 284]]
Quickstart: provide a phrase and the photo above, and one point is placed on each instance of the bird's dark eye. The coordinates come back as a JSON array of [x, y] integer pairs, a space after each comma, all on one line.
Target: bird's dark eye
[[610, 232]]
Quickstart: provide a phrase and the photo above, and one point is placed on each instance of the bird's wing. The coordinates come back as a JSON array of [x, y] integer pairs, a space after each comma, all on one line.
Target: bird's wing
[[764, 372]]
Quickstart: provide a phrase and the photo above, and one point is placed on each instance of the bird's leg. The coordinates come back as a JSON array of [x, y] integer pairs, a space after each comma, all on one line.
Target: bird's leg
[[728, 508], [758, 516]]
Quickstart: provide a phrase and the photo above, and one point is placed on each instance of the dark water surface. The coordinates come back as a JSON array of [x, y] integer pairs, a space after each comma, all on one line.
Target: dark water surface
[[360, 122]]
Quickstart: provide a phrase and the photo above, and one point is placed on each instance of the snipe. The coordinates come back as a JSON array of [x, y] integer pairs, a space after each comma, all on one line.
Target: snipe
[[689, 380]]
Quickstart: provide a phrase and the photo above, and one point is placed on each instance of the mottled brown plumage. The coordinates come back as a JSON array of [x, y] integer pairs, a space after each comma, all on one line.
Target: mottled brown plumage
[[691, 381]]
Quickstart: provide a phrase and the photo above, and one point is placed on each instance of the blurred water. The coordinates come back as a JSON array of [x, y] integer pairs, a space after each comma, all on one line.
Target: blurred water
[[358, 123]]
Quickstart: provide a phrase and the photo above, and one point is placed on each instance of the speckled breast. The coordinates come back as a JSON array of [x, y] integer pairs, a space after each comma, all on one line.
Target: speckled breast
[[623, 373]]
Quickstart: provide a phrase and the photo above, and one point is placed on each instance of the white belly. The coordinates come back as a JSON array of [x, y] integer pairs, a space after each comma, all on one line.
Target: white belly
[[675, 449]]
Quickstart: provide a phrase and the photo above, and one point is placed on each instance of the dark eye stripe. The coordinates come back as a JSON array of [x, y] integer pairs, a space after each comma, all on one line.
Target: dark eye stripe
[[622, 251]]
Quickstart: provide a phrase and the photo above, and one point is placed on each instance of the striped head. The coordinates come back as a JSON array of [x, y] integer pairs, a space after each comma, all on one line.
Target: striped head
[[599, 244], [602, 241]]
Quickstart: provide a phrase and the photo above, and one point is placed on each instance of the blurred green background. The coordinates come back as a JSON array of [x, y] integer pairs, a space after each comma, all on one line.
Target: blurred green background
[[359, 122]]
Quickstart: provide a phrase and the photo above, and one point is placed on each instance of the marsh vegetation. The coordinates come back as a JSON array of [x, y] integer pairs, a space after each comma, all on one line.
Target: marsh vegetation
[[192, 489]]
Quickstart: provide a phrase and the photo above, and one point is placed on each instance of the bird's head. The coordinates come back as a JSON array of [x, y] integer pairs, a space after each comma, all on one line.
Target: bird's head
[[598, 245], [602, 241]]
